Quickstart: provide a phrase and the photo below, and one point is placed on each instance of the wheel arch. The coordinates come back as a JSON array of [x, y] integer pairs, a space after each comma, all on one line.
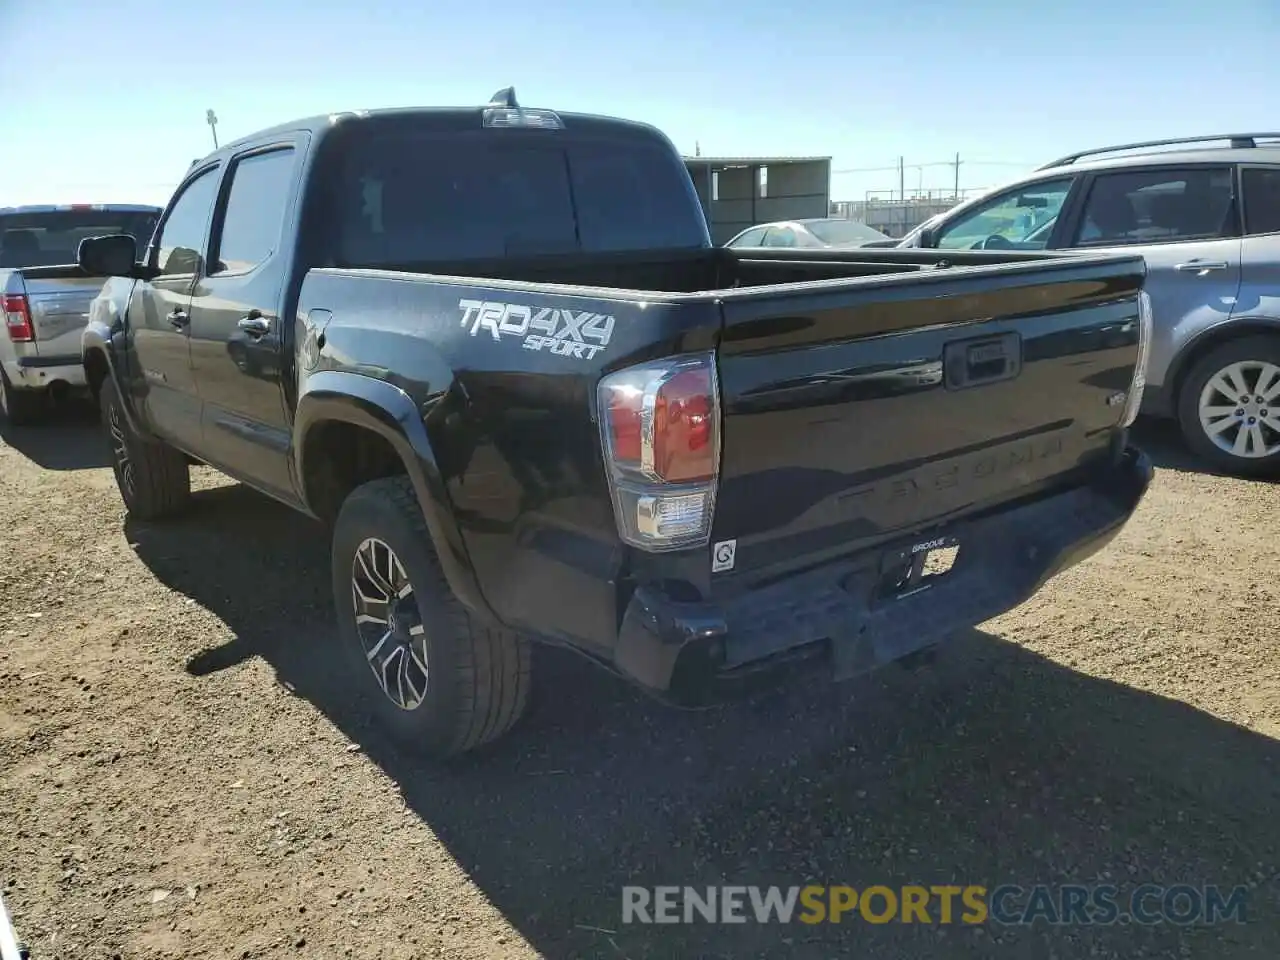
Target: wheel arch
[[346, 428], [97, 355], [1210, 339]]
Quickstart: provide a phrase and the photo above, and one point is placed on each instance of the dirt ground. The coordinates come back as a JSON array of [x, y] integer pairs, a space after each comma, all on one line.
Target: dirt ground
[[180, 775]]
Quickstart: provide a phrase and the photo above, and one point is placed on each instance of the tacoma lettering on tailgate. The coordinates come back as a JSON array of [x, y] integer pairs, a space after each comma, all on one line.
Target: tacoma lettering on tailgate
[[565, 333], [902, 490]]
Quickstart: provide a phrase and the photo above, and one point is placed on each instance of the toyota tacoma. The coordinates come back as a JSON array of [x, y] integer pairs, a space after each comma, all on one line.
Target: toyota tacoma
[[495, 349]]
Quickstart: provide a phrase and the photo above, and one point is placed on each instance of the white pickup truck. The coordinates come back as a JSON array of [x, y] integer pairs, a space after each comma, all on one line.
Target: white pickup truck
[[46, 296]]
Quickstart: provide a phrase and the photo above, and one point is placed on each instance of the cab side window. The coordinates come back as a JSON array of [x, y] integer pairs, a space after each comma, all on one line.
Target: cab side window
[[182, 242], [1018, 220]]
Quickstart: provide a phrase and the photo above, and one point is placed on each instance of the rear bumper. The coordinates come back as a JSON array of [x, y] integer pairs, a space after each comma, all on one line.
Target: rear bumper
[[37, 373], [681, 650]]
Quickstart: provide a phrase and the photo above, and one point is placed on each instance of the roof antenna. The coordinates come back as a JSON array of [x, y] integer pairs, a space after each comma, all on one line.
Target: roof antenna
[[506, 97]]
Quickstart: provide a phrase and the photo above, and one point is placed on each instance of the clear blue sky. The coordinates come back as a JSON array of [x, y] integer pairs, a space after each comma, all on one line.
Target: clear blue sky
[[105, 99]]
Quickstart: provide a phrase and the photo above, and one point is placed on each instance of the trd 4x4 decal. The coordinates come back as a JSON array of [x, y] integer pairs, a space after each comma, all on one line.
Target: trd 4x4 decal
[[565, 333]]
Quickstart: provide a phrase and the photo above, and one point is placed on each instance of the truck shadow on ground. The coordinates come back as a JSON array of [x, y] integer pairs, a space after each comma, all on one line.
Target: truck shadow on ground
[[993, 766], [67, 437]]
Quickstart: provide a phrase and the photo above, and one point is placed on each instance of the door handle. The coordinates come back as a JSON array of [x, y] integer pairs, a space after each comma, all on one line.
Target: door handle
[[1201, 266], [255, 325], [179, 319]]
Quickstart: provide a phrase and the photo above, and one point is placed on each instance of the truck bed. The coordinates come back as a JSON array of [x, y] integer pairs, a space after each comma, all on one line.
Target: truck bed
[[866, 397], [712, 271]]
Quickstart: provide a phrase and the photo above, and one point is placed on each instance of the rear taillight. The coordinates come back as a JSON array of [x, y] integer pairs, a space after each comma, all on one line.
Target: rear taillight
[[660, 423], [17, 318], [1137, 385]]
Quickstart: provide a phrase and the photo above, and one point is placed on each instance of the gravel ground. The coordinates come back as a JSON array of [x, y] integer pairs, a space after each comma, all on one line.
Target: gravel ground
[[180, 775]]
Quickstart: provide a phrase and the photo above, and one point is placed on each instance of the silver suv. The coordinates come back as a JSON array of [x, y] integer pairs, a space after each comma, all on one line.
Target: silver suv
[[1207, 221]]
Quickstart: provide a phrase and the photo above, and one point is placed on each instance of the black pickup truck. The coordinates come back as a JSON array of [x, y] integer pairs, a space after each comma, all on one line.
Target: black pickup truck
[[495, 348]]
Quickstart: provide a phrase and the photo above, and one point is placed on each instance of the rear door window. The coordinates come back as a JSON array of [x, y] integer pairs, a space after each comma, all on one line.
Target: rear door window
[[254, 216], [404, 199], [1158, 206]]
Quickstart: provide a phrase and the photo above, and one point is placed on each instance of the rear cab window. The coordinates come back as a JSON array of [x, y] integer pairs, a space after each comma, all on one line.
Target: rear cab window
[[403, 196], [51, 238]]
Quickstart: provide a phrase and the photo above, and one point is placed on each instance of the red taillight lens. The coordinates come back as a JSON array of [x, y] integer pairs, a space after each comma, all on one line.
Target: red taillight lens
[[17, 318], [682, 428], [625, 407], [662, 422], [660, 425]]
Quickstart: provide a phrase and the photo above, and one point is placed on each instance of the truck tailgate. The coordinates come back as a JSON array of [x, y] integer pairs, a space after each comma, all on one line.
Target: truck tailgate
[[854, 417], [58, 299]]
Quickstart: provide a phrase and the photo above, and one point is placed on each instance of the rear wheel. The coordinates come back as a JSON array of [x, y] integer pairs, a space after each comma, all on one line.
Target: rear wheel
[[1229, 406], [439, 681], [19, 407], [153, 478]]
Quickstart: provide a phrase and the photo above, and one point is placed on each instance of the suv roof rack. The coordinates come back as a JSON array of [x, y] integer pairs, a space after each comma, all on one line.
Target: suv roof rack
[[1238, 141]]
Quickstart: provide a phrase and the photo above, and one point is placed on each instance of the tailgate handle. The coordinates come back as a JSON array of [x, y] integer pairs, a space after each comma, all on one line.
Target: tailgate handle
[[982, 360]]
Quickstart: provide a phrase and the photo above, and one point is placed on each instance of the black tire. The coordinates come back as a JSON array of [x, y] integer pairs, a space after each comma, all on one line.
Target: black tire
[[477, 680], [153, 477], [20, 407], [1253, 349]]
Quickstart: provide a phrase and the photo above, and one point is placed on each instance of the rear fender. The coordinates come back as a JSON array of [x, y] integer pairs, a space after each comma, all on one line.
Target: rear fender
[[387, 410]]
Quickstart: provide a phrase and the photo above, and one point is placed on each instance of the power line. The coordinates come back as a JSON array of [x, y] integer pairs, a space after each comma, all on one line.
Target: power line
[[935, 163]]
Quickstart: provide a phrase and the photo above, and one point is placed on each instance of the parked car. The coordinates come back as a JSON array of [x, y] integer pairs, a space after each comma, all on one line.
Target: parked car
[[46, 296], [830, 232], [536, 404], [1206, 217]]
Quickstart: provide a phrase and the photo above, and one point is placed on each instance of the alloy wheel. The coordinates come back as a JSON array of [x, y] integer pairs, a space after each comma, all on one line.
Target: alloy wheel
[[389, 624], [120, 449], [1239, 409]]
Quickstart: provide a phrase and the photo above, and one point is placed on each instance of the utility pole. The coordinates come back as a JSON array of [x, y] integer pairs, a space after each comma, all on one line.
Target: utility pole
[[211, 118], [902, 181], [957, 175]]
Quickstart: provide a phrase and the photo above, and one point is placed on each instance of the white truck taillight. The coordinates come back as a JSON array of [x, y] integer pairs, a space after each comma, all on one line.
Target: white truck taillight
[[17, 318], [660, 424], [1139, 382]]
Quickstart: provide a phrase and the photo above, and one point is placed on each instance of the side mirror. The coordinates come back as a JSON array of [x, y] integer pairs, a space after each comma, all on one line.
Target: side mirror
[[111, 256], [925, 238]]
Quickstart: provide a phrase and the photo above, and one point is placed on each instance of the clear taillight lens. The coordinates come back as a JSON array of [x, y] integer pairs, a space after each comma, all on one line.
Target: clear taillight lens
[[1139, 382], [660, 424]]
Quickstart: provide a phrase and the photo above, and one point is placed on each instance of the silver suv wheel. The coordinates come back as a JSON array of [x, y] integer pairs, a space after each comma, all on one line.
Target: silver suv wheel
[[1240, 409]]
